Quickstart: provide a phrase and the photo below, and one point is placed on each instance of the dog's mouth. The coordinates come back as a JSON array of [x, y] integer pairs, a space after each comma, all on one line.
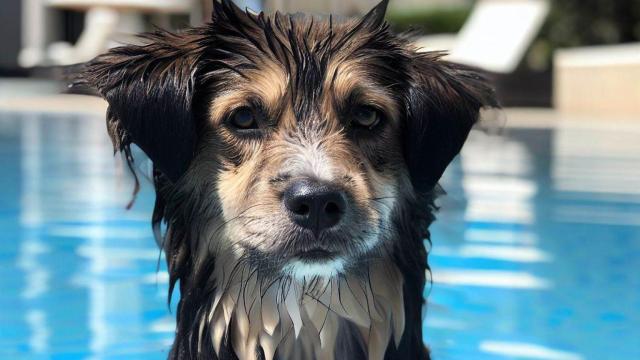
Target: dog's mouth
[[316, 254]]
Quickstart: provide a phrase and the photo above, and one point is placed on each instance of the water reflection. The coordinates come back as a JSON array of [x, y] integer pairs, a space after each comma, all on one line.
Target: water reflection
[[539, 230], [596, 175], [87, 264], [525, 350]]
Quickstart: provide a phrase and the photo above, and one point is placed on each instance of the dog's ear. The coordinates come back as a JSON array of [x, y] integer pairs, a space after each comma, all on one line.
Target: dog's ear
[[375, 17], [150, 89], [444, 102]]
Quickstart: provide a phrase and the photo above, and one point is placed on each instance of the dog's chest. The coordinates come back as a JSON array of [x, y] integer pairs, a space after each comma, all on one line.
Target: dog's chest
[[296, 320]]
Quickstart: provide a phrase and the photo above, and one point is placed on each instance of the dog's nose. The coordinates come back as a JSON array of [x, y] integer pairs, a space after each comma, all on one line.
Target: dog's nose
[[314, 205]]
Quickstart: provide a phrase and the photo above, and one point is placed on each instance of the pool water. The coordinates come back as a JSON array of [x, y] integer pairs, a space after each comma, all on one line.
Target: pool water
[[536, 254]]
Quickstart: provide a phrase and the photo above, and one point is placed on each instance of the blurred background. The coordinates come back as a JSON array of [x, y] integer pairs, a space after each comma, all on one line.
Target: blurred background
[[536, 254]]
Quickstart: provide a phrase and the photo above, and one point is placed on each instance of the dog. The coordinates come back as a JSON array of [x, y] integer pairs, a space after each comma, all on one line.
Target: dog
[[295, 163]]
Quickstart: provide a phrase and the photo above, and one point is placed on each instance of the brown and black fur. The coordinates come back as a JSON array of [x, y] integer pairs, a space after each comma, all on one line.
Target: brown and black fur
[[172, 95]]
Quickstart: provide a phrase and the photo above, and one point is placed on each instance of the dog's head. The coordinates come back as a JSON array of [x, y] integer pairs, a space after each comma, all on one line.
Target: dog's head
[[300, 137]]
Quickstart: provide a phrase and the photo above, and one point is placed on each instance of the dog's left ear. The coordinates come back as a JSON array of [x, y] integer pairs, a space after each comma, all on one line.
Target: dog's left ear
[[149, 89], [444, 102]]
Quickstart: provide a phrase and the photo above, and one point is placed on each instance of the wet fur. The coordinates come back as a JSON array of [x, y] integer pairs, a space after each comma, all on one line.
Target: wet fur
[[170, 95]]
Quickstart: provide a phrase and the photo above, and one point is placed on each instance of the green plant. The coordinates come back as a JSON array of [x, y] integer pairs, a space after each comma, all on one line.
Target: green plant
[[429, 21], [572, 23]]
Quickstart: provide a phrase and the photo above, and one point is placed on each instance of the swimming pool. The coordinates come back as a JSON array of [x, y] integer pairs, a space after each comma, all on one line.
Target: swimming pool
[[536, 254]]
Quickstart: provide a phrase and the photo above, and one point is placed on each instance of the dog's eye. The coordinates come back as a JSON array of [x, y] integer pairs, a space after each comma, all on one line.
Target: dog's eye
[[243, 119], [366, 117]]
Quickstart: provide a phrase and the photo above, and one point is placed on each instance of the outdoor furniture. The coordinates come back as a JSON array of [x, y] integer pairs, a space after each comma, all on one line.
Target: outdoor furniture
[[105, 21], [495, 37]]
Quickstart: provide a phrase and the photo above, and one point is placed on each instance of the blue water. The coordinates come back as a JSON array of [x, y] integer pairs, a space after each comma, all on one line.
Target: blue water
[[536, 254]]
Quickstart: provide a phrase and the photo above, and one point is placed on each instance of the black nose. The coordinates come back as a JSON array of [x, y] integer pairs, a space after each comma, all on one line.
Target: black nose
[[314, 205]]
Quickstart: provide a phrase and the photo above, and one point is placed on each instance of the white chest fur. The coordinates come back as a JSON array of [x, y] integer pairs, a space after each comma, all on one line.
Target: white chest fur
[[301, 318]]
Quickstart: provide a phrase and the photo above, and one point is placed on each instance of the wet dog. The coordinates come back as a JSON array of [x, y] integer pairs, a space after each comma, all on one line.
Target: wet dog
[[296, 162]]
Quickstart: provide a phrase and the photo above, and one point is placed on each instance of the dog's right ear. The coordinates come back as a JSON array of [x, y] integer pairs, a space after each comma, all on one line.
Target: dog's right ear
[[150, 89]]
